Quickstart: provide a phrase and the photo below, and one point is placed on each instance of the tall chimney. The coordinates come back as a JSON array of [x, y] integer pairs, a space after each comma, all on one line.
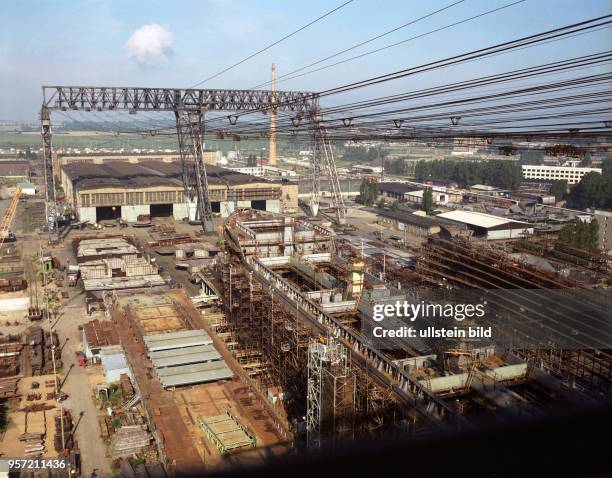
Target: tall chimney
[[272, 148]]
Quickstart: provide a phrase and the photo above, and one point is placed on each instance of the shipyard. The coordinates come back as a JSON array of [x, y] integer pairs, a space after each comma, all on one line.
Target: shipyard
[[386, 248]]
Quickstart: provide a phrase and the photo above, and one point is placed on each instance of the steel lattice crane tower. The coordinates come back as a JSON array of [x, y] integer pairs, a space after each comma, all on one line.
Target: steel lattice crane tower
[[331, 393], [189, 107]]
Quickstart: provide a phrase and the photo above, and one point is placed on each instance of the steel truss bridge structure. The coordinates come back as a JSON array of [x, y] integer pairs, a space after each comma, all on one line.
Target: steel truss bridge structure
[[189, 107]]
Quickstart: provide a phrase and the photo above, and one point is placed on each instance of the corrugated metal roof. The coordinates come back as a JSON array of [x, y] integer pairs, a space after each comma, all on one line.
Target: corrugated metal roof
[[192, 368], [176, 340], [478, 219], [397, 188], [100, 333], [175, 335], [113, 361], [184, 356], [190, 374], [122, 174], [409, 218], [14, 168], [160, 354]]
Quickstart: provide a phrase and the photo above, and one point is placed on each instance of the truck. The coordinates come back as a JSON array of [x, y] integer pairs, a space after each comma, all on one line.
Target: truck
[[73, 275]]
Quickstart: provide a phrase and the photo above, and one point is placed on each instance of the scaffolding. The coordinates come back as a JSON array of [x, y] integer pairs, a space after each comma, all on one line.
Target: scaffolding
[[271, 340], [227, 433], [461, 264], [331, 397]]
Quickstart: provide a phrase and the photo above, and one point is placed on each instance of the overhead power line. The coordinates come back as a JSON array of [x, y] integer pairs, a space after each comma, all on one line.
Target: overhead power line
[[272, 44], [401, 42], [369, 40]]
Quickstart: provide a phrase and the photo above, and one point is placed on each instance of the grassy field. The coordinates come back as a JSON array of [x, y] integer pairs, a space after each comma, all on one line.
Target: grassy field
[[108, 140]]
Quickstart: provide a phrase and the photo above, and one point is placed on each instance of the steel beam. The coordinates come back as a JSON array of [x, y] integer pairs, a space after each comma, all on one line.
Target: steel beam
[[196, 131], [381, 368], [189, 107], [93, 98], [50, 200]]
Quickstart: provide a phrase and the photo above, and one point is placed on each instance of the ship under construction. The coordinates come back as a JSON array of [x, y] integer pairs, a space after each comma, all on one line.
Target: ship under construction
[[298, 311]]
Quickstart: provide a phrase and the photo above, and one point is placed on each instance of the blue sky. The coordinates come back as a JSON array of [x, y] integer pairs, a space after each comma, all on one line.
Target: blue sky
[[87, 42]]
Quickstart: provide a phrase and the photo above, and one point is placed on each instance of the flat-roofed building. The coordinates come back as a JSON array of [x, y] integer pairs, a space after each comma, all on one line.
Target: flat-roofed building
[[396, 190], [571, 174], [438, 197], [413, 224], [485, 189], [421, 226], [488, 226], [120, 189]]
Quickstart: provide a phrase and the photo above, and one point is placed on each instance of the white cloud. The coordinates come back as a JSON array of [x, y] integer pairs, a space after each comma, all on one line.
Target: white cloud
[[150, 44]]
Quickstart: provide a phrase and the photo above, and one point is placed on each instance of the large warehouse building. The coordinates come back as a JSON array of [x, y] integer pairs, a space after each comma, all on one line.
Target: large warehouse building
[[126, 190], [61, 159], [488, 226]]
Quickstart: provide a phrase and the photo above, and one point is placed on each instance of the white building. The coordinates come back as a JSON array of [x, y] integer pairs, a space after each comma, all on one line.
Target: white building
[[27, 188], [261, 171], [416, 197], [114, 364], [571, 174], [487, 226]]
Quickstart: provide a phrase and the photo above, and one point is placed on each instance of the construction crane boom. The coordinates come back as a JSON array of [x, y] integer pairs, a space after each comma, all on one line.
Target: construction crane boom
[[7, 219]]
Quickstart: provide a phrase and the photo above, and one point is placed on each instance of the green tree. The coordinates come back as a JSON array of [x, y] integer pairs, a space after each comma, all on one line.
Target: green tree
[[394, 205], [368, 192], [593, 190], [606, 166], [558, 189], [427, 202], [502, 174], [582, 234]]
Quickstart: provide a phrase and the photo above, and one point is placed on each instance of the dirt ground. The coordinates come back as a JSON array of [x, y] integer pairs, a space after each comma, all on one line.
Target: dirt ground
[[175, 412], [365, 222], [77, 381], [80, 386], [31, 422]]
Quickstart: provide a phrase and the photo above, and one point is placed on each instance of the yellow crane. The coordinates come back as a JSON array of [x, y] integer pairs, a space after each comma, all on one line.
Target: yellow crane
[[7, 219]]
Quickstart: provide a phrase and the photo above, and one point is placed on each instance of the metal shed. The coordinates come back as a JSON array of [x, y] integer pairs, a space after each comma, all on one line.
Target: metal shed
[[176, 340], [184, 356], [195, 373]]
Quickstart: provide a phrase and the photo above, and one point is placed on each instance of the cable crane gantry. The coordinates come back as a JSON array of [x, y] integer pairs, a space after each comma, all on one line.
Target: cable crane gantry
[[189, 107]]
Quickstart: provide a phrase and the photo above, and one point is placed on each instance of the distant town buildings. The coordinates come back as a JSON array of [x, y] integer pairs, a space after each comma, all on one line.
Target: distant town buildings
[[262, 171]]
